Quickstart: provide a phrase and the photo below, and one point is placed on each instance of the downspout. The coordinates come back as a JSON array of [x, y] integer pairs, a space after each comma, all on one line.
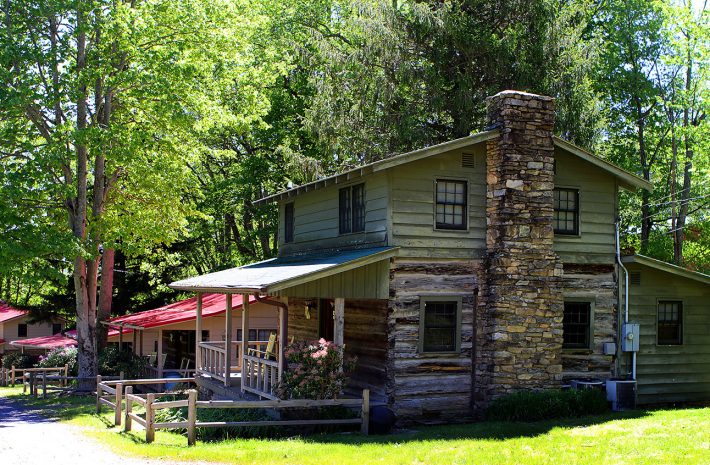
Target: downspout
[[626, 296]]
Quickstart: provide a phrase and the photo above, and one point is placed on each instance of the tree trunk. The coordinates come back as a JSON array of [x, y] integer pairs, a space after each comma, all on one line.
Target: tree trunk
[[105, 297], [84, 283]]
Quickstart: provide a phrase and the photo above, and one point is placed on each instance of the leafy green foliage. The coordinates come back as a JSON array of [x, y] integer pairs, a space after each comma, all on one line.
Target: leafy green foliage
[[547, 405], [18, 360], [113, 361], [314, 370], [60, 357]]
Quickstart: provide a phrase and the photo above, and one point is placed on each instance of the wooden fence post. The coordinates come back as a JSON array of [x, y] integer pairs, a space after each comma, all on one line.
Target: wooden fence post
[[98, 393], [149, 418], [365, 427], [12, 373], [119, 404], [191, 416], [33, 384], [65, 382], [129, 409], [44, 385]]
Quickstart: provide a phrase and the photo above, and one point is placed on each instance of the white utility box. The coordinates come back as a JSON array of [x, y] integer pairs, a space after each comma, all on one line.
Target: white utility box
[[630, 337]]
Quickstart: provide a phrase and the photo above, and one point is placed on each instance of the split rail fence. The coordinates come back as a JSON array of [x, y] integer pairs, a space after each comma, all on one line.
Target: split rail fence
[[115, 393]]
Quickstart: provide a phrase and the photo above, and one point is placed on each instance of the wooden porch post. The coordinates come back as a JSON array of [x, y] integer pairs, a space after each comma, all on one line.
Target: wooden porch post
[[120, 337], [245, 336], [339, 321], [135, 341], [198, 332], [228, 342], [158, 361], [283, 335], [141, 342]]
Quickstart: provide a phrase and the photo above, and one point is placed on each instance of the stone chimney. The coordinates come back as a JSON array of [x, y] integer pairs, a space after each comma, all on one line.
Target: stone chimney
[[522, 303]]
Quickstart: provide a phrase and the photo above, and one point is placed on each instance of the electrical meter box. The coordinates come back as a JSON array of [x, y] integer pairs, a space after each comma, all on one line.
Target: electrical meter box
[[630, 337]]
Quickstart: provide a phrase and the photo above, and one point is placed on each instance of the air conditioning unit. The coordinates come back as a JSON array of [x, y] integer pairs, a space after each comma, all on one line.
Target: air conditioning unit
[[621, 393]]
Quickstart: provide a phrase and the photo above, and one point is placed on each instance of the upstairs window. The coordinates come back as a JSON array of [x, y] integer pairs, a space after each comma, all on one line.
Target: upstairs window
[[451, 206], [566, 217], [22, 330], [351, 209], [56, 328], [288, 223], [670, 322], [440, 324], [576, 325]]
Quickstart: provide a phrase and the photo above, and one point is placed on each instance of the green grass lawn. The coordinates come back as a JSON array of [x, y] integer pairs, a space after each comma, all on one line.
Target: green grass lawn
[[642, 437]]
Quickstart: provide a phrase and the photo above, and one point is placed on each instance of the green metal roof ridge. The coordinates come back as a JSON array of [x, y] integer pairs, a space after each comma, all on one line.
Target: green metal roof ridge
[[380, 165], [667, 267]]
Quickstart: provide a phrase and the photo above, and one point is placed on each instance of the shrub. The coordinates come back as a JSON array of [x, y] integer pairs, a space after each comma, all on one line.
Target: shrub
[[313, 371], [222, 415], [60, 357], [18, 360], [113, 361], [549, 404]]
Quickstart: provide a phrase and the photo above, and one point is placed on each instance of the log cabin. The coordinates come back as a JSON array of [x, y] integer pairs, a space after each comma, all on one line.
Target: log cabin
[[455, 274]]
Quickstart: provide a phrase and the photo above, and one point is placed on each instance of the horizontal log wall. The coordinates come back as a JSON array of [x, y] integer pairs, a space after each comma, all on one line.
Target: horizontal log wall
[[429, 388], [597, 284], [365, 338]]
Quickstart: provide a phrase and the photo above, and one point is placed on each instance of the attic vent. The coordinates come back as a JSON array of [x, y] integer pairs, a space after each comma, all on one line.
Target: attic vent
[[468, 160], [635, 278]]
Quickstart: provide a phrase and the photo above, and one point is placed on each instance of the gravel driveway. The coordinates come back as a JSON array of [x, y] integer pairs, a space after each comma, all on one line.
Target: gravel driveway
[[26, 437]]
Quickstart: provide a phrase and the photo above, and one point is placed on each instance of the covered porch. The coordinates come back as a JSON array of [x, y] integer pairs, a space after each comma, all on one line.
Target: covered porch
[[309, 295]]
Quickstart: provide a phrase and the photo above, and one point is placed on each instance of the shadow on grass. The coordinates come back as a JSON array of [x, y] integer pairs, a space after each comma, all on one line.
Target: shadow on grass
[[484, 430]]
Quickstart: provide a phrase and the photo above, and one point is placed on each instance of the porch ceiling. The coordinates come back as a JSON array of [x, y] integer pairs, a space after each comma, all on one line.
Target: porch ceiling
[[280, 273]]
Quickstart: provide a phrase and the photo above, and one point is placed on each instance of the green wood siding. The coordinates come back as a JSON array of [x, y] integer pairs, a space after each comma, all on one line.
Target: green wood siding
[[671, 373], [366, 282], [597, 209], [316, 218], [412, 193]]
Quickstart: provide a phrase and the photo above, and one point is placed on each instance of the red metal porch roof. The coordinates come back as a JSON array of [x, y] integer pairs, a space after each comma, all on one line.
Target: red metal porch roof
[[46, 342]]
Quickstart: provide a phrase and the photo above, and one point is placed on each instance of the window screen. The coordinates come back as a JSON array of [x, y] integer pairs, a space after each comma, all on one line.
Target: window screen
[[566, 215], [440, 326], [56, 328], [22, 330], [451, 204], [670, 322], [344, 211], [358, 207], [576, 325]]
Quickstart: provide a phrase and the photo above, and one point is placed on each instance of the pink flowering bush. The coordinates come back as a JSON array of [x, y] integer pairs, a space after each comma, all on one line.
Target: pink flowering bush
[[313, 370]]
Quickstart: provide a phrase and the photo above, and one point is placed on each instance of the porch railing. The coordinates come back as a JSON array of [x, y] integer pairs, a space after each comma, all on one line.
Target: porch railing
[[213, 357], [261, 376]]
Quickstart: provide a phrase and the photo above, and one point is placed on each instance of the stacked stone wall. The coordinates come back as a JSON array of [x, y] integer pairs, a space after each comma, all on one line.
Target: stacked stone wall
[[522, 302]]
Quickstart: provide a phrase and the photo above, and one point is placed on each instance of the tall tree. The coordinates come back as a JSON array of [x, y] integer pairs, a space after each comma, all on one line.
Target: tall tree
[[99, 104]]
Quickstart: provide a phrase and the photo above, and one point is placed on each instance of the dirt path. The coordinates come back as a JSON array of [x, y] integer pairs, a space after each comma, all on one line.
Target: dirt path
[[27, 437]]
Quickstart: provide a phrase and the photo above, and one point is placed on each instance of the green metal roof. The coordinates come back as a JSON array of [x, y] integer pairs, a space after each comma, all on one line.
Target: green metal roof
[[667, 267], [283, 272]]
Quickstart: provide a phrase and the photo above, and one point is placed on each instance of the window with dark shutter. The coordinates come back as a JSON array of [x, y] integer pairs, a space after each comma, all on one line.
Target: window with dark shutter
[[670, 322], [351, 209], [288, 222], [566, 214], [451, 204], [576, 325], [358, 208]]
